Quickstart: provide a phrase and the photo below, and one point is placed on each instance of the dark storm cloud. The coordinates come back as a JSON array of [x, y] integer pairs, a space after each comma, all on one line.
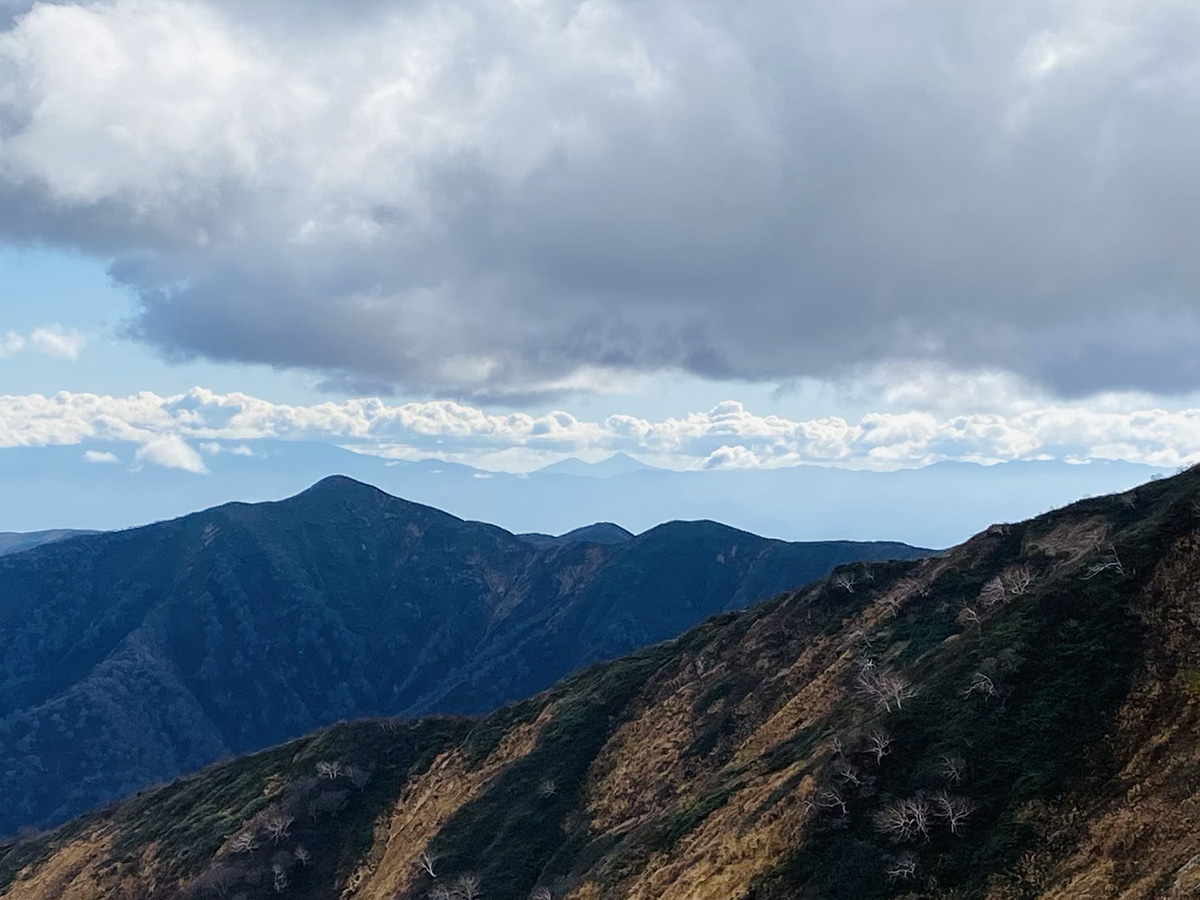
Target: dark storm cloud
[[493, 199]]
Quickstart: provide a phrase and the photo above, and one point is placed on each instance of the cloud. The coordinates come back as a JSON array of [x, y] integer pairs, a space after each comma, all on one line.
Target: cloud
[[100, 456], [213, 448], [54, 340], [726, 436], [10, 343], [485, 200], [171, 452]]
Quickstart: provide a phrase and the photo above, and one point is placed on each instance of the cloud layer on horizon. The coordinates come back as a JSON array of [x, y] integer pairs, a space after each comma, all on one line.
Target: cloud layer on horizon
[[517, 197], [166, 431]]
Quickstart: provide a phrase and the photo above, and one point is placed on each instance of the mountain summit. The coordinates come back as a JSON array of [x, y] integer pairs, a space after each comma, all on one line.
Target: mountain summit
[[1015, 718], [127, 658], [617, 464]]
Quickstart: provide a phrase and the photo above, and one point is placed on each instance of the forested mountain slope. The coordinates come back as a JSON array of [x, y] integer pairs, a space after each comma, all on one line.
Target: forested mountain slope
[[128, 658], [1015, 719]]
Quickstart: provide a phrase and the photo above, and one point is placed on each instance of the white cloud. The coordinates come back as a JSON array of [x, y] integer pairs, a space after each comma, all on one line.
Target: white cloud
[[54, 340], [485, 199], [10, 343], [728, 435], [100, 456], [172, 452], [213, 448]]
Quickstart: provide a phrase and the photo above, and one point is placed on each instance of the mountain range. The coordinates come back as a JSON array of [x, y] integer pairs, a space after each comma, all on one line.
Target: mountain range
[[130, 657], [16, 541], [935, 506], [1015, 718]]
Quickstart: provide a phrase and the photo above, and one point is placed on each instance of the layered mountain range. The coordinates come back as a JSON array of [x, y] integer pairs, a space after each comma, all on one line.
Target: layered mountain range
[[1015, 718], [128, 658]]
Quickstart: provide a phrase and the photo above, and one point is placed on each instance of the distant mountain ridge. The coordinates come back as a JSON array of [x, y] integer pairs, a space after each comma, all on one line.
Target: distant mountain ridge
[[53, 487], [617, 464], [16, 541], [599, 533], [132, 656]]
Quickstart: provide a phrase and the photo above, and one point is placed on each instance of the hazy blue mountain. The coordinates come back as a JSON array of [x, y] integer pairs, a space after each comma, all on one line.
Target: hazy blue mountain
[[16, 541], [128, 657], [53, 487], [617, 464]]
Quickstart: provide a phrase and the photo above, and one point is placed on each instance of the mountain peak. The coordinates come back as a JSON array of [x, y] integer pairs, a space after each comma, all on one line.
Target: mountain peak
[[617, 464]]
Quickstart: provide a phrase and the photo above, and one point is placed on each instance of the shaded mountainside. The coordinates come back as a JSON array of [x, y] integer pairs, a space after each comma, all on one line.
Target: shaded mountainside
[[1015, 719], [127, 658]]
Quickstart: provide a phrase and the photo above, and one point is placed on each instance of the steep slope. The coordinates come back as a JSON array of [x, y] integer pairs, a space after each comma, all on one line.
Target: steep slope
[[128, 658], [1015, 719]]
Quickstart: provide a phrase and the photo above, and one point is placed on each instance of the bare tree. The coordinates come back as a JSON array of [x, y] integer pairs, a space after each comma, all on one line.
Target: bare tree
[[426, 861], [846, 772], [468, 887], [993, 593], [330, 770], [542, 893], [845, 580], [968, 615], [302, 855], [837, 746], [902, 867], [982, 684], [547, 787], [953, 768], [278, 826], [879, 743], [831, 798], [244, 842], [887, 689], [1109, 562], [279, 878], [1018, 579], [953, 808], [903, 820]]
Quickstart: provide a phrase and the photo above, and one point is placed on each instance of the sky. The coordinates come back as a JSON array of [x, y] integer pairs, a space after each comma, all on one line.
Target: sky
[[506, 232]]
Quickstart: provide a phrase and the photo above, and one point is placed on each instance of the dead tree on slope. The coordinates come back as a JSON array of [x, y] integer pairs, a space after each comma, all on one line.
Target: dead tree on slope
[[1109, 562], [831, 798], [425, 861], [1018, 579], [953, 768], [904, 820], [887, 689], [953, 808], [845, 580], [993, 593], [278, 827], [468, 887], [879, 744], [902, 867]]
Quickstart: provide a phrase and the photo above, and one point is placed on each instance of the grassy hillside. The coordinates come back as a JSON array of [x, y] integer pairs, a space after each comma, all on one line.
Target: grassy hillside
[[1015, 719], [128, 658]]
